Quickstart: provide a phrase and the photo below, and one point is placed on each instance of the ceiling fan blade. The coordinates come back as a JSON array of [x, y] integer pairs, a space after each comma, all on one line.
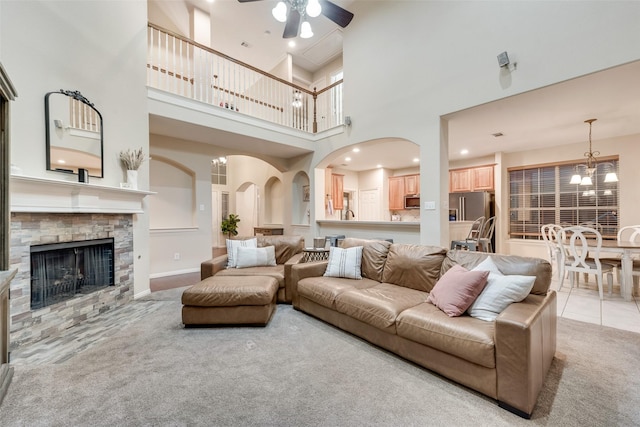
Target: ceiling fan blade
[[247, 1], [337, 14], [293, 24]]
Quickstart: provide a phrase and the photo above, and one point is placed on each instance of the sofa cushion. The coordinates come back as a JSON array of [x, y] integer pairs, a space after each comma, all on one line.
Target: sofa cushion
[[379, 305], [344, 263], [255, 257], [500, 291], [277, 272], [374, 256], [508, 264], [286, 246], [457, 289], [232, 249], [464, 336], [413, 266], [324, 290]]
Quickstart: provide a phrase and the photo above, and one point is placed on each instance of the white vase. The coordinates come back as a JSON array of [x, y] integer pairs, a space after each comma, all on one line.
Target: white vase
[[132, 179]]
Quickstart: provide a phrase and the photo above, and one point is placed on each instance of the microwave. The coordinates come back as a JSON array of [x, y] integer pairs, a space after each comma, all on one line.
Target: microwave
[[412, 202]]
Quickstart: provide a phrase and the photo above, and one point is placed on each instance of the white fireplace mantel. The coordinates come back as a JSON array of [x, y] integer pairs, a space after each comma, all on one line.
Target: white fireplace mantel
[[35, 194]]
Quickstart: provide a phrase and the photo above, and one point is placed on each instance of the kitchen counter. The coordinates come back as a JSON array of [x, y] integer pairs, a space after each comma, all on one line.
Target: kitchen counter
[[399, 231]]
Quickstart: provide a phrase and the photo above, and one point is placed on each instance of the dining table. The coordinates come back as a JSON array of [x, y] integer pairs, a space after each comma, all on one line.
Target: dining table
[[626, 248]]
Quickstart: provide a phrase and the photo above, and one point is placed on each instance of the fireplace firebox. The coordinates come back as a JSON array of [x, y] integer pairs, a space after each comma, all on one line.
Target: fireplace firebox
[[61, 271]]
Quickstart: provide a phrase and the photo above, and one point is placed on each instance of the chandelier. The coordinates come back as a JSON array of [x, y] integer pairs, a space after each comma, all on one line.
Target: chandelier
[[591, 165], [305, 8]]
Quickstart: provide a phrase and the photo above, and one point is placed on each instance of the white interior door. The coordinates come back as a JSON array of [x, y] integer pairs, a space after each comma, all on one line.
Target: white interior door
[[369, 205]]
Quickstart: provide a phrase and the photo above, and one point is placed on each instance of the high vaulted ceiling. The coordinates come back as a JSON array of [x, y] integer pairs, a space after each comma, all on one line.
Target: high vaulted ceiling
[[546, 117]]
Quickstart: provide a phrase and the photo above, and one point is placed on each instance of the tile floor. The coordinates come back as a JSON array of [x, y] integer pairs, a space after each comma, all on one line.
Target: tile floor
[[583, 303]]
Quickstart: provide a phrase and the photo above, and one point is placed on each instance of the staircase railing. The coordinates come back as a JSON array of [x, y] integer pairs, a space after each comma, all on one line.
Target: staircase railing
[[184, 67]]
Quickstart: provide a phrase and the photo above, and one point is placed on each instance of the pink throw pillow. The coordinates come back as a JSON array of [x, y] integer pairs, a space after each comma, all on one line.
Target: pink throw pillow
[[457, 289]]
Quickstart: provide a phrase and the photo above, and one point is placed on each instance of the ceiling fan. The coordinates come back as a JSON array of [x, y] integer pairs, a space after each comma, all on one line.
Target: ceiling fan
[[299, 9]]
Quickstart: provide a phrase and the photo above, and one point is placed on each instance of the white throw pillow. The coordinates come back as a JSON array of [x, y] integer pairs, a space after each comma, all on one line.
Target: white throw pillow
[[499, 292], [344, 262], [255, 257], [232, 248]]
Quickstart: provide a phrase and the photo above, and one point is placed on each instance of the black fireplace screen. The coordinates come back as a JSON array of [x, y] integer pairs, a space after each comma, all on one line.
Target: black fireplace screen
[[63, 270]]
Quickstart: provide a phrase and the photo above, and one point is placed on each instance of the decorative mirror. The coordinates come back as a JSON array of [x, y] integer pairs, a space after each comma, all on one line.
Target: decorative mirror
[[74, 133]]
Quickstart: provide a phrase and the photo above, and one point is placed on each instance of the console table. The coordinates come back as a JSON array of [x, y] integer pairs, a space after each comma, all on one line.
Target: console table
[[313, 254], [268, 231]]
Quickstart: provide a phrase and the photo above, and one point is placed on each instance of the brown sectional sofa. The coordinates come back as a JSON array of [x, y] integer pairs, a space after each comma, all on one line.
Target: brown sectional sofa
[[506, 359], [288, 250]]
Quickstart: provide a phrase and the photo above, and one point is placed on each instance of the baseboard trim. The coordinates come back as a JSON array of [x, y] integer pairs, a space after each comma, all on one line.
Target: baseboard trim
[[174, 273], [142, 294]]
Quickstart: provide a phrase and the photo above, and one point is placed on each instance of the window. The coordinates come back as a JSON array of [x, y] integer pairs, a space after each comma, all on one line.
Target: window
[[542, 195], [219, 171], [224, 208]]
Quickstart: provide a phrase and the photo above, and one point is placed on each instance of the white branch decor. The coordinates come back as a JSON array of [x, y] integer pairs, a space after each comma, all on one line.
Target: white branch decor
[[132, 159]]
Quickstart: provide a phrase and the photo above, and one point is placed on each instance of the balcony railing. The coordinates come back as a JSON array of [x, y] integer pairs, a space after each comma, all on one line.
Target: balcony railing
[[181, 66]]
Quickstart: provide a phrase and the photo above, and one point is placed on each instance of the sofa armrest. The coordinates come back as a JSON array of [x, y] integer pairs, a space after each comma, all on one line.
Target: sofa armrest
[[296, 259], [212, 266], [525, 339], [302, 271]]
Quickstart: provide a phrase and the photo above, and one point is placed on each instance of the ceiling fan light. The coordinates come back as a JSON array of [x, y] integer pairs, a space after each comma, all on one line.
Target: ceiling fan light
[[586, 181], [305, 30], [313, 8], [280, 12], [611, 177], [575, 179]]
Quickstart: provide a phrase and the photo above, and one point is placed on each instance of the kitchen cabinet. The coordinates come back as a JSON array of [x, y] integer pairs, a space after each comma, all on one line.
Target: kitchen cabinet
[[337, 188], [482, 178], [471, 179], [411, 185], [459, 180], [396, 192]]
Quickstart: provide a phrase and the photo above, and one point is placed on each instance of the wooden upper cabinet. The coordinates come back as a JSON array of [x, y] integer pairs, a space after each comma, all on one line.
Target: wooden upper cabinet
[[482, 178], [471, 179], [337, 186], [459, 180], [411, 185], [396, 192]]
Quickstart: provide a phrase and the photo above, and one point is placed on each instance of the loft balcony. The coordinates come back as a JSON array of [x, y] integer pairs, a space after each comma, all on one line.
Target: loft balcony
[[183, 67]]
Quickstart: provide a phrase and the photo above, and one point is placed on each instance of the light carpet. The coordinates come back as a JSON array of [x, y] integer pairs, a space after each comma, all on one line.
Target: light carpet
[[299, 371]]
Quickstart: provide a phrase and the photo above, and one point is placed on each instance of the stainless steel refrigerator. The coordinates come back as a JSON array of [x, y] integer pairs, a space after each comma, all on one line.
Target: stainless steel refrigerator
[[470, 206]]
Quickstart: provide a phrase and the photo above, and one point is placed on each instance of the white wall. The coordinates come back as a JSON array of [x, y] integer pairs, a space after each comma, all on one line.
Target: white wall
[[192, 239], [449, 63], [98, 48]]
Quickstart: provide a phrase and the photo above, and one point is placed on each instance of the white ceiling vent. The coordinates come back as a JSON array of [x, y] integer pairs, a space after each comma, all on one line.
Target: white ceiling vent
[[326, 48]]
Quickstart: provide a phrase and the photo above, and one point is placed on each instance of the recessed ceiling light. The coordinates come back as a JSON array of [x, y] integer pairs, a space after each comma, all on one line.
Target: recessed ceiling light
[[292, 43], [210, 1], [356, 150], [416, 160], [347, 159], [62, 162], [378, 166], [465, 151]]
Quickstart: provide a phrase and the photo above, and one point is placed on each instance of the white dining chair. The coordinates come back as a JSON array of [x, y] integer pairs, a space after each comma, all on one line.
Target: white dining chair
[[550, 235], [582, 259], [632, 234]]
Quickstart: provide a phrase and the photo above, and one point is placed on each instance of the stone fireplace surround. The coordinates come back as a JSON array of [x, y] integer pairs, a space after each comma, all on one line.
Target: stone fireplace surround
[[51, 211]]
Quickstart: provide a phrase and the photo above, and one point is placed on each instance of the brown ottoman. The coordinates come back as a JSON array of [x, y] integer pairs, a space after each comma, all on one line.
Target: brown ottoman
[[230, 300]]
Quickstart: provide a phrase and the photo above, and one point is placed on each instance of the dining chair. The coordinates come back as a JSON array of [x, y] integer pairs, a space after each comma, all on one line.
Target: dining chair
[[582, 259], [632, 234], [550, 235], [484, 242], [472, 240]]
